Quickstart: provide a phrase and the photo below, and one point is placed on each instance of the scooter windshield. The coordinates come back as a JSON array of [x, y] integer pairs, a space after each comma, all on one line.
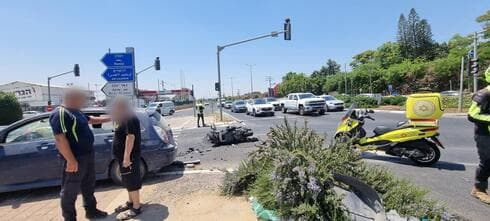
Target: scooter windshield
[[349, 112]]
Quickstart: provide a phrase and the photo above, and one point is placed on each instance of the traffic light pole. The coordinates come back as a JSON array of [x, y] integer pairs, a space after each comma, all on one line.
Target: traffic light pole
[[76, 70], [220, 48], [475, 75]]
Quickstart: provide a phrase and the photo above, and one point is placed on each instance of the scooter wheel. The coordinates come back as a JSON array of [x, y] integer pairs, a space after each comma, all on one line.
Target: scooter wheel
[[432, 156]]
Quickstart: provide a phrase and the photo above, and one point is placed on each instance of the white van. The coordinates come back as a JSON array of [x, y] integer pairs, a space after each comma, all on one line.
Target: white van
[[164, 107]]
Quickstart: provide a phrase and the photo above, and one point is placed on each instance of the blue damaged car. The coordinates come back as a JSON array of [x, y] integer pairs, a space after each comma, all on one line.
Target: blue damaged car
[[29, 157]]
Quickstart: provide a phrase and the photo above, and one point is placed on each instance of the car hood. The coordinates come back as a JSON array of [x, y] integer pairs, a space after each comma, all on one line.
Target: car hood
[[334, 102], [274, 102], [240, 105], [262, 105], [313, 99]]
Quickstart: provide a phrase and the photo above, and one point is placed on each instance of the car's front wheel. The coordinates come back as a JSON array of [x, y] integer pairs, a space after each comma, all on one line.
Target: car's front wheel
[[115, 173]]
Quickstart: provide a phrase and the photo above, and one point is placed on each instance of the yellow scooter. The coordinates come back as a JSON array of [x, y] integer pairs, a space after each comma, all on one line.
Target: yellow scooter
[[418, 142]]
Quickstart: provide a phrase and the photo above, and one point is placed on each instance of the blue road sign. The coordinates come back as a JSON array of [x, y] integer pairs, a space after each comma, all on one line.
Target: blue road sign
[[119, 74], [112, 60], [120, 67]]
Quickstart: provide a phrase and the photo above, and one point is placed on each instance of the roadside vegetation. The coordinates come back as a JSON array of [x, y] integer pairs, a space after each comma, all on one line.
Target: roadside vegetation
[[292, 175], [413, 62], [10, 109]]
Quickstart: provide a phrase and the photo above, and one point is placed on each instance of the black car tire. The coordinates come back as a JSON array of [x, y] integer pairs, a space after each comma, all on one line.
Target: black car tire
[[322, 112], [284, 110], [115, 174], [171, 112], [301, 111]]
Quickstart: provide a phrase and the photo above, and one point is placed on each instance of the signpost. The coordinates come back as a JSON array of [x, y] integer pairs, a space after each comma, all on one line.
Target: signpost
[[119, 74], [112, 89]]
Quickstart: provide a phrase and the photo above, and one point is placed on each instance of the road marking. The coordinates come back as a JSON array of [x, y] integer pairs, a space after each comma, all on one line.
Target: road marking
[[185, 172]]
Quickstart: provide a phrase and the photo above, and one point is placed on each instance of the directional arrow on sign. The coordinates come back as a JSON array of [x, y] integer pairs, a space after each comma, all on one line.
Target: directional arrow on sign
[[112, 89], [119, 74], [117, 60]]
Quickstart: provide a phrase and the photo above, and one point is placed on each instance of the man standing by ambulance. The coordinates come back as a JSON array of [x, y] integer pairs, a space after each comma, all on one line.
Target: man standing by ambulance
[[74, 140], [479, 114]]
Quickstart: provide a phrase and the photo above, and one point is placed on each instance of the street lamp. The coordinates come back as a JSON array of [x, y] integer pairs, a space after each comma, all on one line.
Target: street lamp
[[75, 71], [287, 36]]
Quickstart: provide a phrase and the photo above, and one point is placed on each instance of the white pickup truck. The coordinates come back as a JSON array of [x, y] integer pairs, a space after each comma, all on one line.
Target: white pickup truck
[[303, 103]]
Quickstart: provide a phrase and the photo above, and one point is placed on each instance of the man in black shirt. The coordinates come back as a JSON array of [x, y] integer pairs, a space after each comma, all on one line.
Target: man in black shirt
[[75, 140], [126, 151]]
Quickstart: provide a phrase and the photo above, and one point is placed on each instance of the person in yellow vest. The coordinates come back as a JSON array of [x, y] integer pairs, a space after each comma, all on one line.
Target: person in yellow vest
[[479, 114], [200, 114]]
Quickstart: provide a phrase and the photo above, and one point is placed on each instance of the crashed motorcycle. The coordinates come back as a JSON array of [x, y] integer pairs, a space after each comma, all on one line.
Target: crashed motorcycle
[[230, 135], [417, 141]]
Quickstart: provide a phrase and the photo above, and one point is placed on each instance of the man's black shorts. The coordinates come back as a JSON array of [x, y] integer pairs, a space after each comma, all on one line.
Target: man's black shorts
[[131, 176]]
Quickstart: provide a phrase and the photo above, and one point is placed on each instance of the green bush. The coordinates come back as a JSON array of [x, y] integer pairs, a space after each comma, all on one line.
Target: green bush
[[394, 100], [365, 102], [452, 101], [9, 108], [292, 174]]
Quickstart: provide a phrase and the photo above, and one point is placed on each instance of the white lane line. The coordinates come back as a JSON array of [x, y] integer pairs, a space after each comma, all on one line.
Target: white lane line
[[185, 172]]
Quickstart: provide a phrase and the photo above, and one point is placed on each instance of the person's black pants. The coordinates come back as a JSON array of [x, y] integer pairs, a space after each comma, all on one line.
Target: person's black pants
[[483, 170], [81, 181], [200, 117]]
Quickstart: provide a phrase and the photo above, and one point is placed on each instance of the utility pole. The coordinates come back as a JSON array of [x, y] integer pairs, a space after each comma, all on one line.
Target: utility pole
[[194, 101], [475, 56], [461, 78], [251, 78], [345, 77], [231, 79], [269, 79]]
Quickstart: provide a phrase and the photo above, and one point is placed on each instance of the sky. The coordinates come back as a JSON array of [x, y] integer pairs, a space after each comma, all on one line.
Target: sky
[[42, 38]]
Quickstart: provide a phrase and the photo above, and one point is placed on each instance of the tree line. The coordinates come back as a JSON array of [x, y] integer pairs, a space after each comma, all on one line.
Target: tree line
[[414, 62]]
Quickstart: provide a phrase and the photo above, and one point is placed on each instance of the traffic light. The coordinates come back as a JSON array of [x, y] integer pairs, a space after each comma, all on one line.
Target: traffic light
[[192, 93], [76, 70], [157, 64], [473, 66], [216, 86], [287, 29]]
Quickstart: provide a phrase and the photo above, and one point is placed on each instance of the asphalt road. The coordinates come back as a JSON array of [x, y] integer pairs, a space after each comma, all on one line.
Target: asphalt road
[[449, 181]]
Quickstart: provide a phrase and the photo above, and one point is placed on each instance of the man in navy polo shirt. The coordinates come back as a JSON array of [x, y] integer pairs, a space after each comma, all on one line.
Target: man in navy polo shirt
[[74, 140]]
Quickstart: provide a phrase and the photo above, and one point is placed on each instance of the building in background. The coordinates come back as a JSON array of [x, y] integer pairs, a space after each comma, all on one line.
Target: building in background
[[34, 96]]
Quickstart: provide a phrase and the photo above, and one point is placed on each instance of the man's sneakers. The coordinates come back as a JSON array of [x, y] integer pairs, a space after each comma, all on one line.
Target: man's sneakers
[[95, 214], [481, 195]]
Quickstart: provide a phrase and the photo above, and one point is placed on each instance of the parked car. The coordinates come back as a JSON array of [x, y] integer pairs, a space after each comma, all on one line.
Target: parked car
[[27, 114], [450, 93], [275, 103], [163, 107], [259, 106], [29, 158], [304, 103], [378, 97], [228, 104], [238, 106], [332, 103]]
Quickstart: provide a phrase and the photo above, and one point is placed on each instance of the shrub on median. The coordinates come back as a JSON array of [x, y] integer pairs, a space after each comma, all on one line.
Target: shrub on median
[[292, 175], [394, 100]]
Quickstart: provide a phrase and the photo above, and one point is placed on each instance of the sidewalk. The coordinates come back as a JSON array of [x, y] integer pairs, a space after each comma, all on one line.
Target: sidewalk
[[176, 197]]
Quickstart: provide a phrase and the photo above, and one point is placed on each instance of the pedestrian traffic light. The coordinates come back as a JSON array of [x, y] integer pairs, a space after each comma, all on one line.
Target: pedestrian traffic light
[[473, 66], [157, 64], [216, 86], [287, 29], [76, 70]]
